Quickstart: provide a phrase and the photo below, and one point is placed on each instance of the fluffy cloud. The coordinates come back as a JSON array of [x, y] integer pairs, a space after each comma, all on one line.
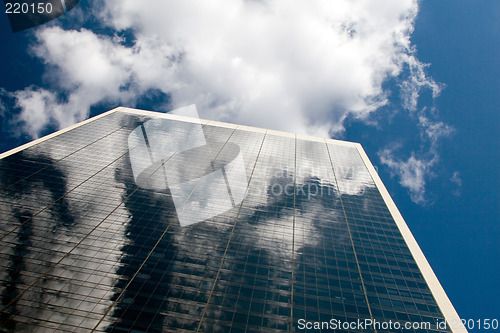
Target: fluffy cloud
[[412, 172], [293, 66], [416, 170], [38, 107]]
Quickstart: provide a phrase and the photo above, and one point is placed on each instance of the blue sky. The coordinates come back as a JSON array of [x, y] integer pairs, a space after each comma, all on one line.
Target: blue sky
[[461, 41], [458, 229], [417, 84]]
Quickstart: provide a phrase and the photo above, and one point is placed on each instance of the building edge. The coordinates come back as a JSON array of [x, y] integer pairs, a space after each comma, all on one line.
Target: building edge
[[52, 135], [450, 314]]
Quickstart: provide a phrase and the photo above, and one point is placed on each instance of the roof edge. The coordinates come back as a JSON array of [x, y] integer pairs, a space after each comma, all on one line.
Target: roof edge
[[173, 117], [232, 125], [50, 136]]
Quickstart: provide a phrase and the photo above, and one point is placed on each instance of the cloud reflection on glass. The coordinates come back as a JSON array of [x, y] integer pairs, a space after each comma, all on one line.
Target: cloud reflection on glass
[[84, 247]]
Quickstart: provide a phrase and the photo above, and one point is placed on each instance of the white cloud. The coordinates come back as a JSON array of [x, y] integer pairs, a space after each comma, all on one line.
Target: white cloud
[[433, 130], [37, 107], [295, 66], [416, 80], [88, 69], [457, 180], [415, 171]]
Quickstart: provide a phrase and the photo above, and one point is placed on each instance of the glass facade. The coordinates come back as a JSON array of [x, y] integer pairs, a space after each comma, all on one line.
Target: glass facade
[[86, 245]]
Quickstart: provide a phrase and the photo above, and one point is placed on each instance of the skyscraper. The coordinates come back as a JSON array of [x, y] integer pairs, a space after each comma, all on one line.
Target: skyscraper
[[136, 221]]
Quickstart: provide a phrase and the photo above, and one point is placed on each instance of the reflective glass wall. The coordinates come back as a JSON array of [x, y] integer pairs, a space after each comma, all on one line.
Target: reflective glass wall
[[108, 228]]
